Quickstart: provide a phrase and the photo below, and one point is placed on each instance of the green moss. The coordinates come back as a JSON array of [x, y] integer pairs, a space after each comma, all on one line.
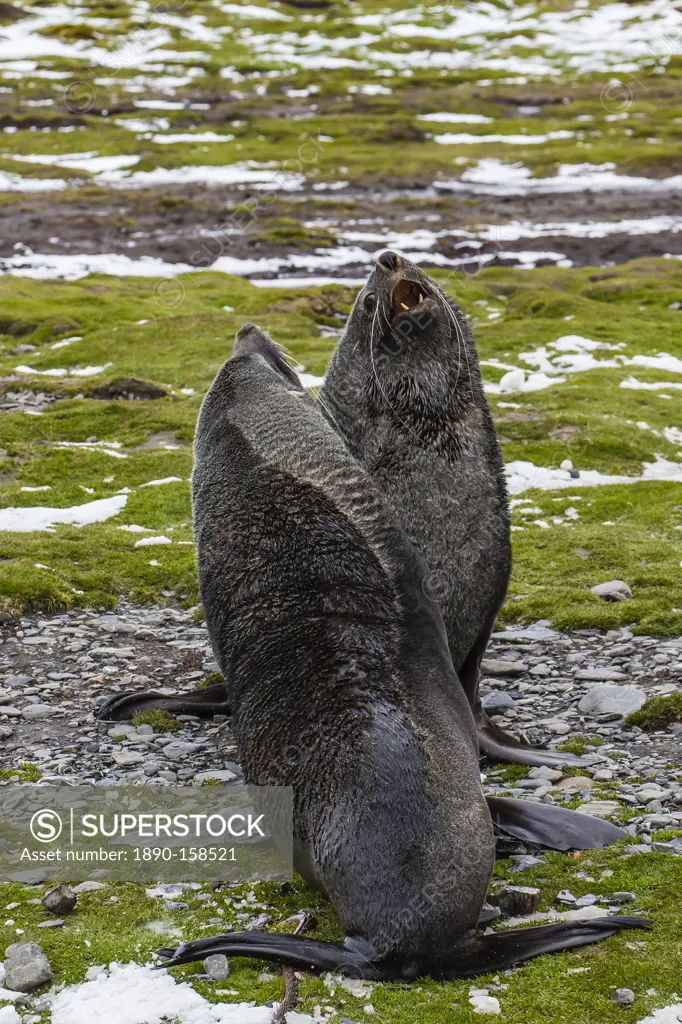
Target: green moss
[[212, 679], [26, 772], [579, 744], [160, 721], [658, 712]]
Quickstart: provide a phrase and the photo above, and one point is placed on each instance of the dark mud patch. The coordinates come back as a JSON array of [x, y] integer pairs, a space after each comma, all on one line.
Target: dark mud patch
[[8, 12], [196, 226], [128, 389]]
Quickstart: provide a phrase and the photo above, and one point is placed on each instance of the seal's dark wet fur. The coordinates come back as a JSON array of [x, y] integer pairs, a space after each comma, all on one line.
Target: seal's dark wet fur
[[342, 687], [404, 390]]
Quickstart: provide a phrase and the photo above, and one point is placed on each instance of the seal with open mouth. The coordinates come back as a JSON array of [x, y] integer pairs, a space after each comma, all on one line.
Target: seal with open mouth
[[342, 687], [404, 390]]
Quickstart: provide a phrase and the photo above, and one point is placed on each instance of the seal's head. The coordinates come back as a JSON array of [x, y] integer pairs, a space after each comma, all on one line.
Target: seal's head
[[406, 339], [252, 343]]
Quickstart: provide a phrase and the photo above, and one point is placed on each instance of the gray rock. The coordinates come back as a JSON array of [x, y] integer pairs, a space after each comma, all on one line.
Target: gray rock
[[622, 897], [26, 967], [61, 900], [217, 967], [609, 698], [179, 749], [623, 996], [216, 775], [544, 772], [575, 782], [600, 808], [90, 886], [524, 861], [489, 913], [601, 675], [498, 701], [499, 667], [516, 900], [126, 758], [614, 590], [36, 712]]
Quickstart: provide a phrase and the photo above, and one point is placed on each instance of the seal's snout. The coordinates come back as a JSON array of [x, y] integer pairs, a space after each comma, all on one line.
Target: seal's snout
[[389, 261], [245, 330], [252, 342]]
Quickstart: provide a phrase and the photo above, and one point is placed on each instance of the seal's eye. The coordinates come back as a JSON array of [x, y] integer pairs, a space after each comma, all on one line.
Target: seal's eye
[[370, 302]]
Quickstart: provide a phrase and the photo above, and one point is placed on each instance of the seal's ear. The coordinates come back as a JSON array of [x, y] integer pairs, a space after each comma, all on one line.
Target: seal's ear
[[252, 342]]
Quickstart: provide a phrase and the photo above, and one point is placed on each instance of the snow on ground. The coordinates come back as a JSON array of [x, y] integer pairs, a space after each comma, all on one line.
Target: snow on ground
[[524, 476], [495, 177], [132, 994], [32, 519], [668, 1015]]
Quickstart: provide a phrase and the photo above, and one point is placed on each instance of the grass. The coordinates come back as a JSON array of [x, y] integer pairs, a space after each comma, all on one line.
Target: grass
[[160, 721], [544, 989], [373, 139], [658, 712], [579, 744], [588, 419]]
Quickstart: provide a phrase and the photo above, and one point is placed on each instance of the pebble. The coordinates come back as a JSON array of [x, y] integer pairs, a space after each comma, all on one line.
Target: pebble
[[217, 967], [612, 699], [35, 712], [614, 590], [623, 996], [26, 967], [600, 808], [575, 782], [497, 700], [516, 900], [61, 900], [503, 668]]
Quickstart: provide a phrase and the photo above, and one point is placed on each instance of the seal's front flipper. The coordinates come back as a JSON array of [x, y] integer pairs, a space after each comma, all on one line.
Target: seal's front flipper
[[291, 950], [499, 746], [497, 951], [554, 827], [203, 703]]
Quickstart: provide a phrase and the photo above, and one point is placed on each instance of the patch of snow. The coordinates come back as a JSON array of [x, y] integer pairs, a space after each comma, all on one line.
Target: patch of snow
[[18, 183], [492, 176], [167, 140], [165, 480], [132, 994], [640, 385], [146, 542], [456, 118], [524, 476], [81, 161], [226, 174], [31, 520], [252, 11], [45, 487], [667, 1015], [466, 139]]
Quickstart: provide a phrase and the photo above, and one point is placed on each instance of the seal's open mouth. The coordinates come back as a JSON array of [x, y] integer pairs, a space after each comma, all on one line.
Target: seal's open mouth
[[407, 295]]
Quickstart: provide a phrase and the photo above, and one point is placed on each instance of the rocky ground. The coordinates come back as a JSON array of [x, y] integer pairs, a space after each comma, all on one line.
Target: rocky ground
[[551, 688]]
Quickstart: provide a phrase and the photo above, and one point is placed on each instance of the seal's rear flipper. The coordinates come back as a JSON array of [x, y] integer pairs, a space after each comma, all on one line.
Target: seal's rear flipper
[[502, 949], [497, 951], [500, 746], [203, 703], [554, 827], [475, 955], [290, 950]]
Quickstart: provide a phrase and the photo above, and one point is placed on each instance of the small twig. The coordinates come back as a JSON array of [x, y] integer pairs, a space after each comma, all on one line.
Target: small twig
[[306, 922]]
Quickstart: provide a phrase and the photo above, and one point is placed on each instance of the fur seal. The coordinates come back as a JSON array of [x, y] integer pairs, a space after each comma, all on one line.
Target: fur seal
[[404, 390], [342, 686]]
